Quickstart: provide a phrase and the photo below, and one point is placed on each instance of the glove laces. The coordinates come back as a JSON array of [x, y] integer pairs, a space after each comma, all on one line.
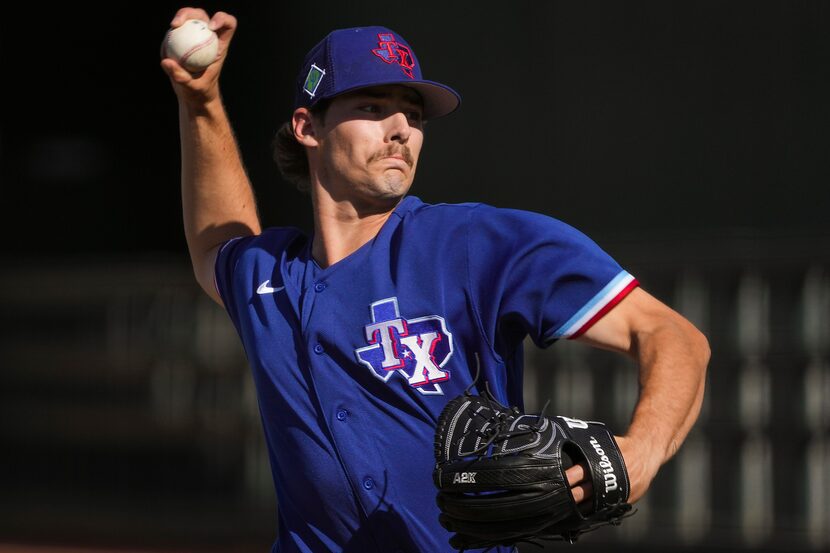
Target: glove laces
[[500, 419]]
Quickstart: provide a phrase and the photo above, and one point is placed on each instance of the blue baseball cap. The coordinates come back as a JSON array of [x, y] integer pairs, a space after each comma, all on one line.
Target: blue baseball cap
[[360, 57]]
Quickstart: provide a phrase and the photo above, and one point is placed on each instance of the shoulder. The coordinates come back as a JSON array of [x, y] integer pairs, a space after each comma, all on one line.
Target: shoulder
[[486, 224], [271, 242], [433, 223], [277, 236], [518, 226], [413, 209], [522, 219]]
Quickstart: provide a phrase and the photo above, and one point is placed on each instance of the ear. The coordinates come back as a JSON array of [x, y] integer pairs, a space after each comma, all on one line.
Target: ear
[[304, 127]]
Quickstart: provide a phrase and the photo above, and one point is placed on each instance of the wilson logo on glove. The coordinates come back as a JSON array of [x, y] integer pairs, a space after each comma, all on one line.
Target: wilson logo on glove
[[607, 467]]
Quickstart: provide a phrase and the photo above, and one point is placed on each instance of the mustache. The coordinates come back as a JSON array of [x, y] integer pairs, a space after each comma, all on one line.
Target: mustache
[[402, 151]]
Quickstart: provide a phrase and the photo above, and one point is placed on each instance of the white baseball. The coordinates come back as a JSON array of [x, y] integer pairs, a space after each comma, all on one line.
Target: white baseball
[[192, 44]]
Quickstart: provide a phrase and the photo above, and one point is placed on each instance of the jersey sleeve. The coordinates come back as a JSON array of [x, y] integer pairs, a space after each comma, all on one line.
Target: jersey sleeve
[[226, 262], [533, 274]]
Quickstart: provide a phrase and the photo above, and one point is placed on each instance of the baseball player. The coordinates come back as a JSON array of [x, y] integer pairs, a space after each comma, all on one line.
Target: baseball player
[[359, 333]]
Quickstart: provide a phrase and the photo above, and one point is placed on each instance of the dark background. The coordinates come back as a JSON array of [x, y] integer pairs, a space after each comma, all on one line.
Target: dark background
[[700, 118], [689, 138]]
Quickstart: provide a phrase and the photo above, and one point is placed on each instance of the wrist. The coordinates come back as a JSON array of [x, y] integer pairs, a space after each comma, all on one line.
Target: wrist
[[201, 105], [650, 451], [641, 464]]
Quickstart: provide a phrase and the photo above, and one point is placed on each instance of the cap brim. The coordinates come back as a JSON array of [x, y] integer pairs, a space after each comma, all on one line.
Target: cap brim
[[439, 99]]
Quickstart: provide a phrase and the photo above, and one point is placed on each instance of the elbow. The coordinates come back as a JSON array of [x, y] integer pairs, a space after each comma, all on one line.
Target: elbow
[[697, 344], [704, 351], [696, 353], [699, 353]]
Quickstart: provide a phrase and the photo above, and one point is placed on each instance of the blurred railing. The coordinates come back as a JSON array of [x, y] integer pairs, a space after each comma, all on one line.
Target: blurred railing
[[127, 411], [755, 471]]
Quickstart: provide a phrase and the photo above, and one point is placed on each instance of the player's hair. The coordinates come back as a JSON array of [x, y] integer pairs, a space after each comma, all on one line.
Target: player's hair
[[290, 155]]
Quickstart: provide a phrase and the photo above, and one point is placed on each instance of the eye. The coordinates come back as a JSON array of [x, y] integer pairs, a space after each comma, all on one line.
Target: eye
[[415, 115], [369, 108]]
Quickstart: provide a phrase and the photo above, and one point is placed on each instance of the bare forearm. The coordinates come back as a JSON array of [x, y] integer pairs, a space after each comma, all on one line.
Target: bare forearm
[[673, 356], [673, 360], [217, 199]]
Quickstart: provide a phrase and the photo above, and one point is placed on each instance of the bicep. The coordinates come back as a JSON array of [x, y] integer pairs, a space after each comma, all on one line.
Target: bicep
[[205, 269], [637, 314]]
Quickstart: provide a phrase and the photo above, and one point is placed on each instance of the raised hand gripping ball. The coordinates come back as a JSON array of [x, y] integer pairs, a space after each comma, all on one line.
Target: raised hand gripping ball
[[192, 44]]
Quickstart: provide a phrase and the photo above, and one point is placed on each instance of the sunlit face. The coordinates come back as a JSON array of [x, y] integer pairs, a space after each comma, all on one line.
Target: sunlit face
[[368, 147]]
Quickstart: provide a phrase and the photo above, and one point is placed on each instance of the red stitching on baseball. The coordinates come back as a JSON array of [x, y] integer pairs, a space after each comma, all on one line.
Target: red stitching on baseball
[[196, 48]]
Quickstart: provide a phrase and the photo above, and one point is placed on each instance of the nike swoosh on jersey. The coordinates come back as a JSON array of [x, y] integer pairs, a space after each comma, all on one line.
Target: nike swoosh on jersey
[[265, 288]]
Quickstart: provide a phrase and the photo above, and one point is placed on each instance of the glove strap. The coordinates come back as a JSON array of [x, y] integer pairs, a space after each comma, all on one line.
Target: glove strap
[[605, 463]]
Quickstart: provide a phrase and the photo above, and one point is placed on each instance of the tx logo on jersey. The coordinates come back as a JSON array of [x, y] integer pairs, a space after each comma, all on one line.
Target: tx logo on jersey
[[416, 349], [391, 51]]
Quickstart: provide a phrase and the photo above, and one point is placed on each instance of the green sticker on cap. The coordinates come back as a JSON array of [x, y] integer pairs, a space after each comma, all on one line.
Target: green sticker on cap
[[312, 81]]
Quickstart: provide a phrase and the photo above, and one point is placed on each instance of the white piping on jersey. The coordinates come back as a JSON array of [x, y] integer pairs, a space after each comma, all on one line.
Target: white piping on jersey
[[594, 305]]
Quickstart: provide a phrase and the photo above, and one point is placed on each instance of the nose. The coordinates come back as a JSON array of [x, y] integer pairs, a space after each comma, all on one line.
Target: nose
[[399, 128]]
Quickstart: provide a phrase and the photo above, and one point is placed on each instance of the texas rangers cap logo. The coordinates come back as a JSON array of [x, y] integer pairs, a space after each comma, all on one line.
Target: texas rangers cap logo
[[416, 349], [392, 51]]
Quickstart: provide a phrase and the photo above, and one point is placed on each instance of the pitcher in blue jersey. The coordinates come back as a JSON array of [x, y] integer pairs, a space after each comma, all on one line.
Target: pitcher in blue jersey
[[359, 333]]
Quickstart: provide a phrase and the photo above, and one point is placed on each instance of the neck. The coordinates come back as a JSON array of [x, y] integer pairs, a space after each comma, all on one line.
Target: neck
[[343, 226]]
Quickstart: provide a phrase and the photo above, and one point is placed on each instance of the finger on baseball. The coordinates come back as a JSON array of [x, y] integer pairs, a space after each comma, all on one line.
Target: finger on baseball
[[222, 23], [188, 13], [582, 492], [175, 71], [576, 474]]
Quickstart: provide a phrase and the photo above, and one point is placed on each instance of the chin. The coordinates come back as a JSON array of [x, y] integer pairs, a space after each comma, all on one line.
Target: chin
[[387, 194], [396, 185]]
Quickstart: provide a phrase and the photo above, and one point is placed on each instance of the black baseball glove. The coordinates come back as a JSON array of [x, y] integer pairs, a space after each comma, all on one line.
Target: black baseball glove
[[501, 474]]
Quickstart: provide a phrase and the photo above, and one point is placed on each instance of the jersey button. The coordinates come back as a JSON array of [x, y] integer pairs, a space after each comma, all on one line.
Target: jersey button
[[318, 349], [342, 414], [320, 286], [368, 483]]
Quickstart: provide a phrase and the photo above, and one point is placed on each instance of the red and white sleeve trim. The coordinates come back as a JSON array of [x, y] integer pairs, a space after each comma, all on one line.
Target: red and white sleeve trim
[[599, 305]]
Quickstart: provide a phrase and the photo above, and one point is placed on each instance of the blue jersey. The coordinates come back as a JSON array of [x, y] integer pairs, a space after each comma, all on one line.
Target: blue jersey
[[354, 363]]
